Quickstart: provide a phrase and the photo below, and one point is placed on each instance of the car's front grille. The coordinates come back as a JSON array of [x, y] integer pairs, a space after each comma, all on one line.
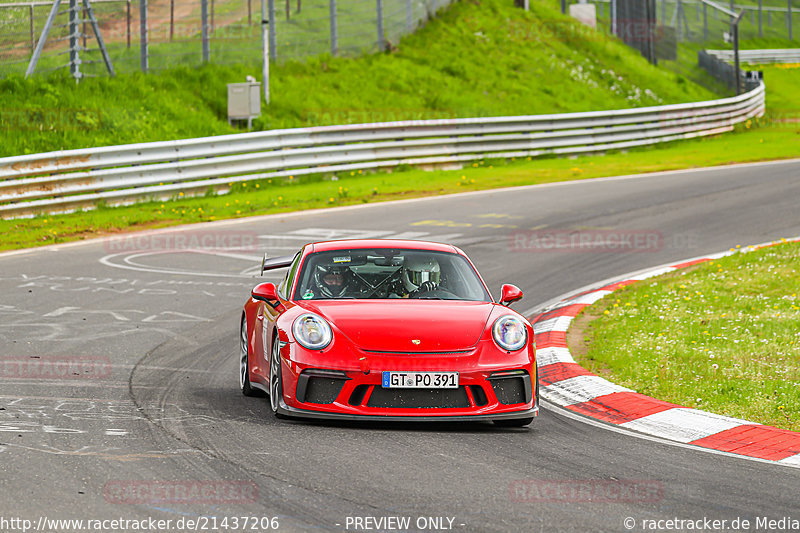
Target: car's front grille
[[320, 386], [511, 387], [478, 395], [322, 390], [418, 398]]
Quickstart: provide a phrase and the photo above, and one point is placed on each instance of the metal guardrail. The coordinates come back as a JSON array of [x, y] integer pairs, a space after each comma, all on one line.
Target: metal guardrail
[[784, 55], [723, 71], [75, 179]]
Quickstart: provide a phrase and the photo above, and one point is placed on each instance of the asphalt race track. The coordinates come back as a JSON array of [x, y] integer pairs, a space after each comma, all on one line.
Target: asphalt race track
[[168, 408]]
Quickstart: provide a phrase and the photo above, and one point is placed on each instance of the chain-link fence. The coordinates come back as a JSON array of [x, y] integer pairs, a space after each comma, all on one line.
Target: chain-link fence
[[698, 21], [191, 32], [681, 29]]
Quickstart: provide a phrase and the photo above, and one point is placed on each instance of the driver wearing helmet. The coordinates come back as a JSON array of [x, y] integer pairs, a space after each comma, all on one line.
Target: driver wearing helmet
[[420, 274], [333, 281]]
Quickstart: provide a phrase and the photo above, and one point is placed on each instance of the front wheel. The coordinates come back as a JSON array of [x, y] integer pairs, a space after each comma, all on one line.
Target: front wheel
[[513, 422], [275, 377]]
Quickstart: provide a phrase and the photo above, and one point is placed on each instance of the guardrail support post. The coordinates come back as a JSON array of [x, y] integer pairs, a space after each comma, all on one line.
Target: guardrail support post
[[144, 59], [334, 29]]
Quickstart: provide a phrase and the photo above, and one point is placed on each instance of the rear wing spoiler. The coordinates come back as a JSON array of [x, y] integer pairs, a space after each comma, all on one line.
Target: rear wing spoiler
[[274, 263]]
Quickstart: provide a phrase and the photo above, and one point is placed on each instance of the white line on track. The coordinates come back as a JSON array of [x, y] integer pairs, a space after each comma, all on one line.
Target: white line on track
[[624, 431]]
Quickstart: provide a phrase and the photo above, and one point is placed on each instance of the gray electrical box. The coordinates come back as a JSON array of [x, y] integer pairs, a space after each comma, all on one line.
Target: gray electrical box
[[244, 101]]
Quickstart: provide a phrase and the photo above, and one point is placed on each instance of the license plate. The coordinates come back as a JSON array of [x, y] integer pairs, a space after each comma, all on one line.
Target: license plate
[[420, 380]]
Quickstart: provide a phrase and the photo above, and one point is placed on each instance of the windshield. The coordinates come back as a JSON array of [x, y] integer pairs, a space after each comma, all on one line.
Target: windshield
[[387, 274]]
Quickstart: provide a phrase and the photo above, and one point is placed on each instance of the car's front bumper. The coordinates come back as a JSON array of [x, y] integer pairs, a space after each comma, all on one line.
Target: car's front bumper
[[285, 410]]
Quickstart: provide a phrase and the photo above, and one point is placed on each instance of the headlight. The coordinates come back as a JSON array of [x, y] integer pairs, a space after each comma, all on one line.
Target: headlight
[[312, 332], [509, 333]]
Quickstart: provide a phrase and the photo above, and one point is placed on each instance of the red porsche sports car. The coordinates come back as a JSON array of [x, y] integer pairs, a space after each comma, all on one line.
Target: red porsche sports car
[[387, 330]]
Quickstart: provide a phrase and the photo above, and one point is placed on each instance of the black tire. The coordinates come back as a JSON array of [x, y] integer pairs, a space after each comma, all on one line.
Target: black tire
[[275, 378], [244, 362], [513, 422]]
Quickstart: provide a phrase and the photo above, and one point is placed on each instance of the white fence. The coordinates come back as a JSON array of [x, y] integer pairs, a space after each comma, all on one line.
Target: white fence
[[784, 55], [76, 179]]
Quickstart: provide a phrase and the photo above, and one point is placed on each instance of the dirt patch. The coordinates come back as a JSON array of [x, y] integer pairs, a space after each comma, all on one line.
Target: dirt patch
[[577, 342]]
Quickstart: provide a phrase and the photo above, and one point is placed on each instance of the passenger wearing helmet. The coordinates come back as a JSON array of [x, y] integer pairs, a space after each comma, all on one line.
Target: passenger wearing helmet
[[420, 274], [333, 281]]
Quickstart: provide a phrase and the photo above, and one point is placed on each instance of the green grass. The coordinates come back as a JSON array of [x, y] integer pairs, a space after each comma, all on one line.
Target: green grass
[[159, 99], [721, 337], [757, 143], [475, 59], [775, 136]]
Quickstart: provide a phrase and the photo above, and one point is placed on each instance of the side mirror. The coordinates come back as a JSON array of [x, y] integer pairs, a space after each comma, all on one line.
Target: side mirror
[[266, 292], [510, 294]]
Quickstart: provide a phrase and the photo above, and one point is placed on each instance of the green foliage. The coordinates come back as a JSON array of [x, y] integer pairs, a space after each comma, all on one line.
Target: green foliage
[[721, 337], [475, 59]]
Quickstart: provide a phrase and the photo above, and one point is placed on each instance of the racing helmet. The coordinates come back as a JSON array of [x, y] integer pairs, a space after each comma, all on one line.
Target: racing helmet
[[331, 280], [418, 270]]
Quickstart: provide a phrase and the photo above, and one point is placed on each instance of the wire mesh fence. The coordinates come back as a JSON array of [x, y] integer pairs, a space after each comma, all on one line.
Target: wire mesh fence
[[174, 33], [682, 29], [698, 21]]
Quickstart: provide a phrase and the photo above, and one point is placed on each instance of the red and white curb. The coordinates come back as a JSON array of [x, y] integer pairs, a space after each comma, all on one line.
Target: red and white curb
[[565, 383]]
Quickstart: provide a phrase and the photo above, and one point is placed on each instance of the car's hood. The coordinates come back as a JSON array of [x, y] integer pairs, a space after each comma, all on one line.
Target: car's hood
[[407, 325]]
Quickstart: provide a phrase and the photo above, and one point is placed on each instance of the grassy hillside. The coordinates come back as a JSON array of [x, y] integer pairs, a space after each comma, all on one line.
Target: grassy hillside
[[478, 58], [771, 137]]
